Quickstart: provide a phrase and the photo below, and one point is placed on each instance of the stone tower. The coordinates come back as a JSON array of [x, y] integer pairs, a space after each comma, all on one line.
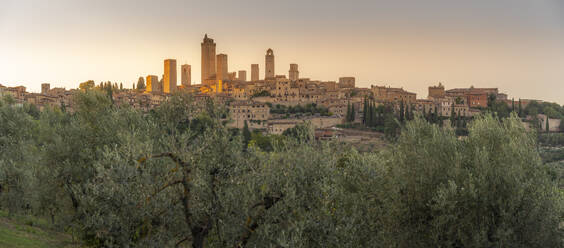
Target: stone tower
[[436, 92], [153, 84], [186, 75], [254, 72], [170, 76], [221, 69], [232, 76], [269, 64], [294, 74], [208, 61], [346, 82], [45, 88], [242, 75]]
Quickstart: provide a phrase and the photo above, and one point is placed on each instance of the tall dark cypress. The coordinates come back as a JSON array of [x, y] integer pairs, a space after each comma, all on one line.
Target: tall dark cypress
[[365, 111], [452, 115], [352, 113], [520, 109], [348, 116], [374, 115], [401, 113], [436, 116]]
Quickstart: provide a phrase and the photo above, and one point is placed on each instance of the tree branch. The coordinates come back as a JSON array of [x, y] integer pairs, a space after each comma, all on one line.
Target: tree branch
[[181, 241], [162, 155], [251, 224], [160, 190]]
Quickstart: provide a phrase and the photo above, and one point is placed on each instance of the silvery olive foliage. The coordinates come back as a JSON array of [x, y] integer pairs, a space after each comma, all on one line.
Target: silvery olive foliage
[[177, 177]]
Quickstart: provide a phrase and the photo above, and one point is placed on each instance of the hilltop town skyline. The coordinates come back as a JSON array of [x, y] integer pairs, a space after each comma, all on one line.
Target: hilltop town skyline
[[253, 123], [517, 46], [276, 102], [233, 73]]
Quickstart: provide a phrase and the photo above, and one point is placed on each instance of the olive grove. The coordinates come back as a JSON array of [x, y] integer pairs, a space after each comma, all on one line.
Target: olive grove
[[177, 177]]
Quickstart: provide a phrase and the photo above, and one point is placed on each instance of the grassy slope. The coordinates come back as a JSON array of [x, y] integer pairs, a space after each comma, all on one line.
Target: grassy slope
[[17, 232]]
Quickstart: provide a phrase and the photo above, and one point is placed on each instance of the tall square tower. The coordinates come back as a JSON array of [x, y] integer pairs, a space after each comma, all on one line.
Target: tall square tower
[[170, 76]]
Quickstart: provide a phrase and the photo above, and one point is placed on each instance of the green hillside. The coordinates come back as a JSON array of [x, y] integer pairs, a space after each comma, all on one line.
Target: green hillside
[[23, 232]]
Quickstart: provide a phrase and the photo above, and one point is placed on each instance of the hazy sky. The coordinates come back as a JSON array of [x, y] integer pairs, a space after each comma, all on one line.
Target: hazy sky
[[516, 45]]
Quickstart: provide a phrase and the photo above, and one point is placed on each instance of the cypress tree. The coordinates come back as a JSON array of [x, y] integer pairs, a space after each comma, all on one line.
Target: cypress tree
[[407, 112], [370, 115], [520, 109], [458, 120], [512, 104], [374, 115], [452, 115], [547, 125], [401, 113], [352, 113], [63, 107], [436, 116], [141, 83], [365, 111], [380, 114], [348, 116], [246, 134]]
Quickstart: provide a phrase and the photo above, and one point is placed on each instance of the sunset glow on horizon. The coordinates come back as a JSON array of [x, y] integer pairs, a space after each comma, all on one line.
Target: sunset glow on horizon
[[516, 45]]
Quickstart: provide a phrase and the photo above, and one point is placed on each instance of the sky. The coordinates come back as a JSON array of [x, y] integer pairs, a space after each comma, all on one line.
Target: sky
[[515, 45]]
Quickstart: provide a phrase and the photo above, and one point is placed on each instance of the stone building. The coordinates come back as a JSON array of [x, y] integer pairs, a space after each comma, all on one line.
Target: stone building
[[346, 82], [284, 92], [293, 74], [170, 76], [269, 64], [186, 75], [221, 68], [423, 106], [278, 126], [394, 95], [242, 75], [462, 91], [436, 92], [254, 113], [153, 84], [239, 93], [444, 107], [338, 109], [329, 85], [447, 105], [475, 97], [45, 89], [553, 124], [42, 100], [254, 72], [461, 110], [208, 61], [232, 76]]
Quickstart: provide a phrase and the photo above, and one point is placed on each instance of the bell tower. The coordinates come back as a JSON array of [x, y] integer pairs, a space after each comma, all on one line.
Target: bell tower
[[269, 64]]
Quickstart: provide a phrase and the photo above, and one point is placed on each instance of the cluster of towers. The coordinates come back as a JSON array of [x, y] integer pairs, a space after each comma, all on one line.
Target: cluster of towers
[[214, 70], [169, 79], [214, 67]]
